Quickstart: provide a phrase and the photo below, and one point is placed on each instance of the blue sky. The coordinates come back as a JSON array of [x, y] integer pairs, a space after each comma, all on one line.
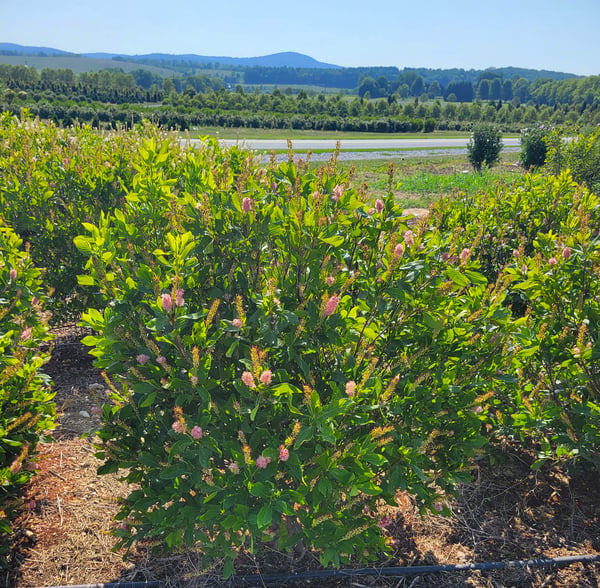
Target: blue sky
[[541, 34]]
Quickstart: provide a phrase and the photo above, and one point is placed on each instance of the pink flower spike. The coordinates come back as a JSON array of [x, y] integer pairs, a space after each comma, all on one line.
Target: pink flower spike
[[167, 302], [178, 427], [246, 204], [161, 360], [350, 388], [379, 205], [179, 301], [194, 380], [331, 305], [26, 333], [12, 274], [196, 432], [464, 255], [337, 193], [409, 238], [234, 468], [330, 280], [566, 252], [516, 253], [284, 453], [266, 377], [237, 323], [142, 358], [262, 462], [552, 261], [399, 250], [248, 379]]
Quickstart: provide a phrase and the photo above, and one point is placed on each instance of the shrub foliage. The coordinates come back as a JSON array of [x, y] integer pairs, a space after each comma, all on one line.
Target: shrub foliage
[[484, 146], [26, 410], [285, 354]]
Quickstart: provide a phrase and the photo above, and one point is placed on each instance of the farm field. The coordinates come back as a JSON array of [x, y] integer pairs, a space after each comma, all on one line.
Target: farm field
[[79, 64], [246, 133], [299, 366]]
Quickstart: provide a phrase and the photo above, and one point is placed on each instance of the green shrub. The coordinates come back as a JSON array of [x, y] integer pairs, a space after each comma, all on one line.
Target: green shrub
[[581, 157], [502, 219], [484, 146], [429, 125], [533, 147], [557, 393], [26, 410], [286, 355], [540, 239], [53, 180]]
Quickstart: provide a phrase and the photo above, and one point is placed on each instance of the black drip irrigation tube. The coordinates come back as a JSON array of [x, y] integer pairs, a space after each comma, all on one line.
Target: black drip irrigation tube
[[379, 572]]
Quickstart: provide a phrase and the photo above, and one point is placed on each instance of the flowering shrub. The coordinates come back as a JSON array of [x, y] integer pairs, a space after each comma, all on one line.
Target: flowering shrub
[[502, 223], [539, 239], [52, 181], [284, 355], [557, 396], [26, 410]]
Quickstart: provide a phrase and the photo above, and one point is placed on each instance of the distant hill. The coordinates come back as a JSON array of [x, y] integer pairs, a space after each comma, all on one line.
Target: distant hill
[[286, 59], [445, 76], [79, 64], [530, 74], [286, 68], [14, 49]]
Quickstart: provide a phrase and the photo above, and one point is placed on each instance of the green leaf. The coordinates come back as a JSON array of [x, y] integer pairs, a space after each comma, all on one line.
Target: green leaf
[[110, 467], [90, 340], [148, 459], [476, 277], [85, 280], [433, 323], [228, 569], [265, 516], [83, 244], [330, 235], [458, 278], [305, 434], [173, 471]]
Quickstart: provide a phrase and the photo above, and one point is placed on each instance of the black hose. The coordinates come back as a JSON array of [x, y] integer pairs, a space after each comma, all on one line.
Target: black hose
[[391, 571], [415, 570]]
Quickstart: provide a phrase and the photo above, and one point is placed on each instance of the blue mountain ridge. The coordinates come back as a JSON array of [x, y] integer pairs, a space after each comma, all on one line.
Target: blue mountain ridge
[[284, 59]]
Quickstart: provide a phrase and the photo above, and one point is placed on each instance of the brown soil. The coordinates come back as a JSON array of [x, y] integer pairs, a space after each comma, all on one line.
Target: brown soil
[[62, 535]]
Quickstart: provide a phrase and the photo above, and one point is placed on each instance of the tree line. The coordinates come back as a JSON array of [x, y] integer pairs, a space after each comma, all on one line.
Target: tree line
[[115, 98], [383, 82]]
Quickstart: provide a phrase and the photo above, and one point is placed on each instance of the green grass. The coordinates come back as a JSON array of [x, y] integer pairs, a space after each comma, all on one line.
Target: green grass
[[243, 133], [464, 181], [419, 181]]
